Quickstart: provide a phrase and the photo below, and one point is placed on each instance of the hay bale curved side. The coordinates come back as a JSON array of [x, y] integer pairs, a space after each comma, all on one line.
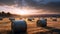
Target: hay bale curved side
[[19, 26]]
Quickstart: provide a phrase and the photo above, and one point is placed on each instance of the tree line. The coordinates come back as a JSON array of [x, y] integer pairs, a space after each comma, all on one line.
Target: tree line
[[3, 14]]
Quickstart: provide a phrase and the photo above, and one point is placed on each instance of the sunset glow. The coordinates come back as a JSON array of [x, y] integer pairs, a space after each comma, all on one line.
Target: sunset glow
[[20, 11], [30, 7], [24, 10]]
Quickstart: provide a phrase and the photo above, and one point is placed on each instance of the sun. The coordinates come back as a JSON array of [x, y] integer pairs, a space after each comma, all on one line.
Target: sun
[[22, 11]]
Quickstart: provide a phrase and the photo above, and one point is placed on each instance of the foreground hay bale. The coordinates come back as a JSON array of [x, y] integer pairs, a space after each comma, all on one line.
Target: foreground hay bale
[[19, 26]]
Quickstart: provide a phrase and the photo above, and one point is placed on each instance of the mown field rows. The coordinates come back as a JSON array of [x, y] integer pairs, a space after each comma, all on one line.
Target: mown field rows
[[5, 25]]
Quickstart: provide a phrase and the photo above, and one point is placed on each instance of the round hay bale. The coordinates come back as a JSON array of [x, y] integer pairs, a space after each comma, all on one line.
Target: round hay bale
[[42, 23], [1, 18], [19, 26], [11, 18], [30, 19], [54, 19]]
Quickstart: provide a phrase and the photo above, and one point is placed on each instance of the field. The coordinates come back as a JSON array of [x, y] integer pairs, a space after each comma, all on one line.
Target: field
[[53, 27]]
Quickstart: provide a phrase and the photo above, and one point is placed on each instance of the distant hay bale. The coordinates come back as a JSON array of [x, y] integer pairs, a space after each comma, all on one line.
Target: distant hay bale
[[30, 19], [19, 26], [54, 19], [1, 18], [11, 18]]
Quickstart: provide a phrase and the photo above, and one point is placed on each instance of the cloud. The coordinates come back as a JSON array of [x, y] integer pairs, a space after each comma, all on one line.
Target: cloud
[[49, 5], [7, 2], [52, 6]]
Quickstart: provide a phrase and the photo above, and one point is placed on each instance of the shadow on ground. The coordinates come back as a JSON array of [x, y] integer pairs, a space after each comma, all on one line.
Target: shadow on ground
[[51, 31], [9, 32]]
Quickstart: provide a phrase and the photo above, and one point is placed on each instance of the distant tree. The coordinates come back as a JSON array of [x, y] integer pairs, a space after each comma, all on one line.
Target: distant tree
[[3, 14], [8, 14], [0, 14]]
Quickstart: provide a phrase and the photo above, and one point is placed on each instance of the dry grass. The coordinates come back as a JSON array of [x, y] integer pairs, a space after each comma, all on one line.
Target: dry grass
[[5, 25]]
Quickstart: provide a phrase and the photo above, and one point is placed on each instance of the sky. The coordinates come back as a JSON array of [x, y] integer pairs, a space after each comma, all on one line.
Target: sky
[[30, 7]]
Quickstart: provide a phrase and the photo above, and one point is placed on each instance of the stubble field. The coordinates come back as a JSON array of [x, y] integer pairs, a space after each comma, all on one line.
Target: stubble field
[[53, 27]]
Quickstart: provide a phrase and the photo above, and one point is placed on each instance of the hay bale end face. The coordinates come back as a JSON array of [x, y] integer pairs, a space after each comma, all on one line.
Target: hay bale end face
[[19, 26]]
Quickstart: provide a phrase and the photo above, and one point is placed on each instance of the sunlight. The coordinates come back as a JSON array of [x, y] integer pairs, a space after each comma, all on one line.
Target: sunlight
[[22, 11]]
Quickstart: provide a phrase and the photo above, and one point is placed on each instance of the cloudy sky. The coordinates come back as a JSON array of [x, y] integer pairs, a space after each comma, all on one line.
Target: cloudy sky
[[30, 6]]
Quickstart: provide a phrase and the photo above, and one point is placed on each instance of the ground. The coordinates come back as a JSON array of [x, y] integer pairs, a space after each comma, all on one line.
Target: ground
[[53, 27]]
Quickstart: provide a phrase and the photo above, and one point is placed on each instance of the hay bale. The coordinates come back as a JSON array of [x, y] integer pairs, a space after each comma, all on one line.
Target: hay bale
[[1, 18], [19, 26], [54, 19], [30, 19], [42, 23], [11, 18]]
